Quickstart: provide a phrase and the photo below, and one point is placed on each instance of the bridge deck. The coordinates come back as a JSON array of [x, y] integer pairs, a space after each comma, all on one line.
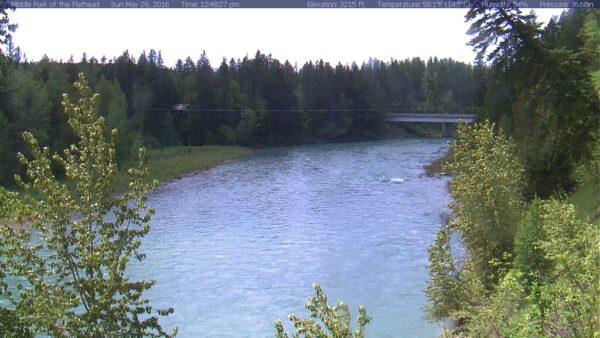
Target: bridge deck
[[430, 117]]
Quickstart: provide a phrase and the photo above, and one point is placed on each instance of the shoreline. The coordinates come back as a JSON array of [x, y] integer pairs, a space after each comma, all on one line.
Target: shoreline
[[173, 163], [435, 167], [209, 156], [237, 153], [165, 165]]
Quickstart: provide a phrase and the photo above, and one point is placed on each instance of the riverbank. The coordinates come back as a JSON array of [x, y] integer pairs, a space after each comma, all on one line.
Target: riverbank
[[586, 198], [170, 163], [435, 167]]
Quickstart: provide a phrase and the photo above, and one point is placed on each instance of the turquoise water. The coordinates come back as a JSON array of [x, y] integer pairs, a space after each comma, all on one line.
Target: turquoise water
[[237, 247]]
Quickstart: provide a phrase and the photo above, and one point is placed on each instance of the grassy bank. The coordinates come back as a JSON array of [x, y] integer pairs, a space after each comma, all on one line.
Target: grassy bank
[[434, 167], [586, 200], [173, 162]]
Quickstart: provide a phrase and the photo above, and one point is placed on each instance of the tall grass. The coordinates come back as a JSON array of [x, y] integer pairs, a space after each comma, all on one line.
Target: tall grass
[[173, 162], [587, 201]]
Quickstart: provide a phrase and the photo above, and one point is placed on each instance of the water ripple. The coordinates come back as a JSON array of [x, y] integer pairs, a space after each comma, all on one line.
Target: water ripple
[[238, 246]]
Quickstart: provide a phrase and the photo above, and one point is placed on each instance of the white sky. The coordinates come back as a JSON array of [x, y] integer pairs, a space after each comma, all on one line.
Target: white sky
[[298, 35]]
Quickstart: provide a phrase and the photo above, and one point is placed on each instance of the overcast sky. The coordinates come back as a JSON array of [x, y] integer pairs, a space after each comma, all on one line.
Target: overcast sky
[[297, 35]]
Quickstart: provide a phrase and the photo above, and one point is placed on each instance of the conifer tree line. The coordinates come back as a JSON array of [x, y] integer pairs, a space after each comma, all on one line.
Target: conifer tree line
[[254, 101], [536, 85]]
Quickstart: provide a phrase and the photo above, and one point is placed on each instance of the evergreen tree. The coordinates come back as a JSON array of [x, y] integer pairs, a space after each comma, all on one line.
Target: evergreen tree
[[6, 28], [553, 107]]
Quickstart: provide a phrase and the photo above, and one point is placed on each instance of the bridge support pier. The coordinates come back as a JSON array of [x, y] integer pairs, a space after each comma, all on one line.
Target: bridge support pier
[[448, 129]]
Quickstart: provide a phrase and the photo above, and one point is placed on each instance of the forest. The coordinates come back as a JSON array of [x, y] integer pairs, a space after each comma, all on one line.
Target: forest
[[258, 101]]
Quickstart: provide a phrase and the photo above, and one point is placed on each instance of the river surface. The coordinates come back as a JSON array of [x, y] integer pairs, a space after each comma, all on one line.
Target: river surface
[[238, 246]]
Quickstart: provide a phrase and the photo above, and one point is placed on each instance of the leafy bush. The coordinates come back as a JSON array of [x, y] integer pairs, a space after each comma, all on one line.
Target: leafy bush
[[565, 298], [529, 257], [486, 189], [336, 320], [69, 263]]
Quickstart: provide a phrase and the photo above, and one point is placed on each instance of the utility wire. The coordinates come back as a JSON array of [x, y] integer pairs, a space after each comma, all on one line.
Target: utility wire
[[308, 110]]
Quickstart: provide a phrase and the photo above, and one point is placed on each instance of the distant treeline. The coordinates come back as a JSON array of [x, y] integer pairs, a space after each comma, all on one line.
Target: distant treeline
[[257, 101], [537, 84]]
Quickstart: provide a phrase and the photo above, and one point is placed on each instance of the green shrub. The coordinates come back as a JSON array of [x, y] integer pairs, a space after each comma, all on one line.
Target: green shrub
[[71, 280], [486, 193], [529, 257], [335, 319], [564, 298]]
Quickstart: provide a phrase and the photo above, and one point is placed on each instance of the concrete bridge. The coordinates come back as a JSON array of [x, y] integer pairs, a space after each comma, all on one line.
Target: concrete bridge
[[447, 120]]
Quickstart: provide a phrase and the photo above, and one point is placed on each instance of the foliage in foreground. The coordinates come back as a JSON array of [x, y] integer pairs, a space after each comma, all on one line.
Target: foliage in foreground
[[528, 269], [524, 273], [486, 191], [336, 320], [559, 298], [66, 269]]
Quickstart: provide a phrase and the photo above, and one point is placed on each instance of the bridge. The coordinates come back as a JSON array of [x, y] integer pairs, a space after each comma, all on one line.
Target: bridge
[[447, 120]]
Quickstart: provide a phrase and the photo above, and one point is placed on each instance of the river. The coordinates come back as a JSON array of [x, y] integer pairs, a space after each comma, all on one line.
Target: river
[[238, 246]]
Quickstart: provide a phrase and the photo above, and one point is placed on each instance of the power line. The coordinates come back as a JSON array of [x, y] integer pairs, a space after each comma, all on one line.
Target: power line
[[340, 110]]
